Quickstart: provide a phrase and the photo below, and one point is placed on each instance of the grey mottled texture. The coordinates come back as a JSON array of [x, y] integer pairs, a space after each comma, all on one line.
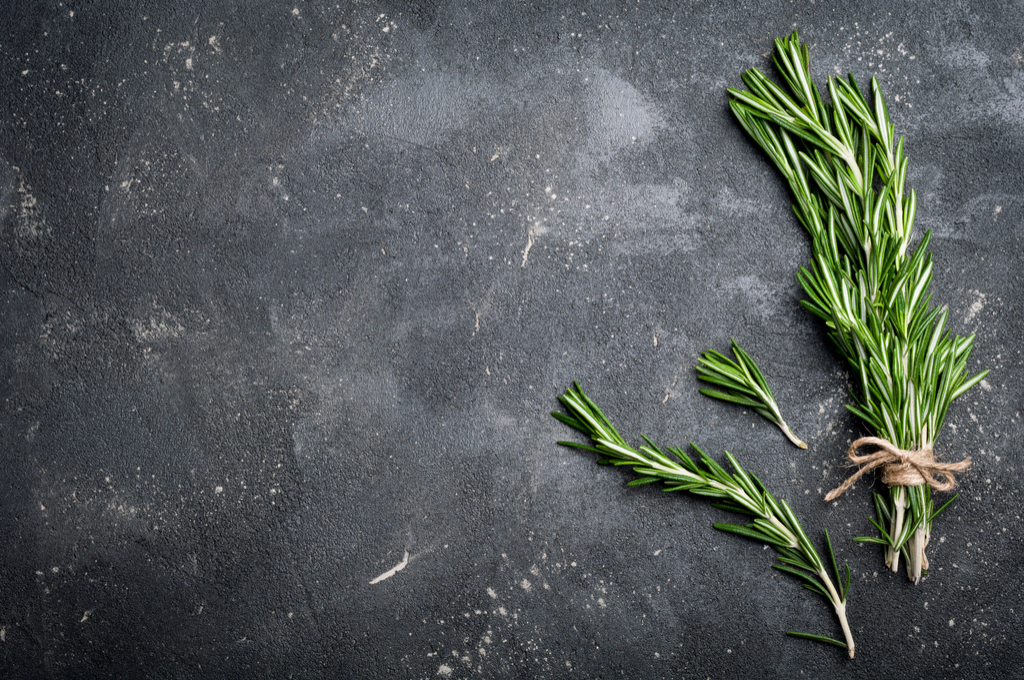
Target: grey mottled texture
[[289, 289]]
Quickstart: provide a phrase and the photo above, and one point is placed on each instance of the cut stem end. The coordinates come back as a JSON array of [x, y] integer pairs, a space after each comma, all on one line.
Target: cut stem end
[[789, 435]]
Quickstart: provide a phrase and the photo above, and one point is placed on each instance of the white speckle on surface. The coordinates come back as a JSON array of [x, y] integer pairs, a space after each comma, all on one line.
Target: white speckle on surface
[[32, 431], [393, 570], [951, 623], [218, 489], [85, 615], [161, 326], [985, 385], [526, 585], [494, 595], [29, 223], [295, 11], [976, 306], [529, 244], [3, 633], [444, 670]]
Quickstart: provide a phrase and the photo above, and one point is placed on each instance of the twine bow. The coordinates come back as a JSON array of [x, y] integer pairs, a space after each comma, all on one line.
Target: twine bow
[[900, 467]]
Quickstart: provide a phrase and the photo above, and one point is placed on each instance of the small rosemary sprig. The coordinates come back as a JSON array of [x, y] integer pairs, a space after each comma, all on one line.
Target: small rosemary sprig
[[774, 522], [847, 171], [744, 384]]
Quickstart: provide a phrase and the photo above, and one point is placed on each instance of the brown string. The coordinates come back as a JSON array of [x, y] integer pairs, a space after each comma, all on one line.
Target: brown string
[[900, 467]]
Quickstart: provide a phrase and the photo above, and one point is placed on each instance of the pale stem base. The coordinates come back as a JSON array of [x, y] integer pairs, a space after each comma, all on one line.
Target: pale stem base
[[899, 502], [789, 434], [840, 607]]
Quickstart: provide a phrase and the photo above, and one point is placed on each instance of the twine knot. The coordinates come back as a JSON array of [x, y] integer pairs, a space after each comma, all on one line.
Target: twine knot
[[900, 467]]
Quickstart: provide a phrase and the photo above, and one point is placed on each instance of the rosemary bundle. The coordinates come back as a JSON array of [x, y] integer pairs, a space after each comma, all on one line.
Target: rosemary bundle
[[774, 522], [847, 172]]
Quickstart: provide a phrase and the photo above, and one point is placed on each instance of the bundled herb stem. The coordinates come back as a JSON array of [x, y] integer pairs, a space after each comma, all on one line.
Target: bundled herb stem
[[847, 171], [743, 384], [774, 522]]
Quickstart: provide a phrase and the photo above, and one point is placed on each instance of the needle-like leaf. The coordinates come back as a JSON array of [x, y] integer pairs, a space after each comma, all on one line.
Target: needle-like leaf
[[816, 638]]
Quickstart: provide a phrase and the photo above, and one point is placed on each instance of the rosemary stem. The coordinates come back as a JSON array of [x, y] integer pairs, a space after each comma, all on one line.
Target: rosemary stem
[[899, 504], [840, 606], [916, 555], [849, 155], [794, 542], [739, 491], [792, 437], [741, 382], [927, 537]]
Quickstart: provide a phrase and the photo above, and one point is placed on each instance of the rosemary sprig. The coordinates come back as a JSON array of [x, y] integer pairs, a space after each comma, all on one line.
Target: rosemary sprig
[[847, 172], [744, 384], [774, 522]]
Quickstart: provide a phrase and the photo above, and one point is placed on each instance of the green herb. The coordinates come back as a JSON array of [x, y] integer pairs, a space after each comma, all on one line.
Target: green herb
[[774, 522], [847, 172], [744, 384]]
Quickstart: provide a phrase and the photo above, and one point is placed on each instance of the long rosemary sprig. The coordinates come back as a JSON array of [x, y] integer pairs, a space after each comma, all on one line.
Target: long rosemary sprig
[[742, 383], [742, 492], [847, 172]]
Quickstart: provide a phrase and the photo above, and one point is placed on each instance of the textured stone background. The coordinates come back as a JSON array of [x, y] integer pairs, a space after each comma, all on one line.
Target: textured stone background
[[289, 289]]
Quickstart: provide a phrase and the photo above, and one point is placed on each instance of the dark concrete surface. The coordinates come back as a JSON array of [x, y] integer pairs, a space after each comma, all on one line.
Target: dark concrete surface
[[289, 289]]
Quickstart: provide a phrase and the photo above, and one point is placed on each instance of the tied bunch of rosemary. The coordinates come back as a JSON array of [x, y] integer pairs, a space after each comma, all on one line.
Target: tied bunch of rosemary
[[847, 172], [741, 492]]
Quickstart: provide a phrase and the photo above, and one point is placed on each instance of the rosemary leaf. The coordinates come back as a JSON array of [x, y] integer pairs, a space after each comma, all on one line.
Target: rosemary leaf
[[816, 638]]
